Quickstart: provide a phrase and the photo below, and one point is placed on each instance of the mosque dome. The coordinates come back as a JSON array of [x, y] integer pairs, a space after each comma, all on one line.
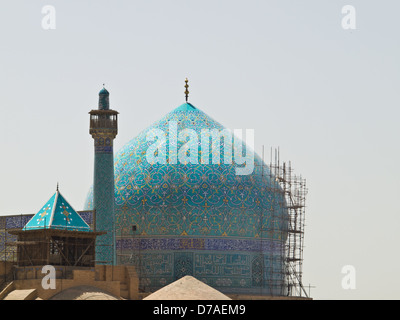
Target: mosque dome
[[195, 216]]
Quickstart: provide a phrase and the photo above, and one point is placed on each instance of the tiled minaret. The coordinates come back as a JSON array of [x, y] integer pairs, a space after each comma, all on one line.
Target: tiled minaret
[[104, 128]]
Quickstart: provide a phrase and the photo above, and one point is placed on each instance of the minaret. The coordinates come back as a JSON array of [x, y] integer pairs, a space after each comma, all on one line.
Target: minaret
[[104, 128]]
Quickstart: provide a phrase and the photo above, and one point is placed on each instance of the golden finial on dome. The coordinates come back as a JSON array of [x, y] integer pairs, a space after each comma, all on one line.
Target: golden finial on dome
[[186, 87]]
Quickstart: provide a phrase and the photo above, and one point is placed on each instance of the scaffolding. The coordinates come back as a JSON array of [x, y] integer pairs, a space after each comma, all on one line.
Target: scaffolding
[[293, 191], [54, 246]]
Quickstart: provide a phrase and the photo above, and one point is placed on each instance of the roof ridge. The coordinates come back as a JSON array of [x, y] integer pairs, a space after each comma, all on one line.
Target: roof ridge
[[53, 209]]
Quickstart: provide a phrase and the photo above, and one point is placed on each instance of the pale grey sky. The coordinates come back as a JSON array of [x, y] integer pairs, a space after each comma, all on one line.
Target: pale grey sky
[[328, 97]]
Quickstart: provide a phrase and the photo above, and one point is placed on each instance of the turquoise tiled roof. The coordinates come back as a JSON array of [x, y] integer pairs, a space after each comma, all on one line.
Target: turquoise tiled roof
[[57, 213]]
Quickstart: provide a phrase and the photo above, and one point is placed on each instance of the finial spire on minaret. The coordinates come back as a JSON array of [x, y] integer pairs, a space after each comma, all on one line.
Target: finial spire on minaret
[[186, 87], [57, 187]]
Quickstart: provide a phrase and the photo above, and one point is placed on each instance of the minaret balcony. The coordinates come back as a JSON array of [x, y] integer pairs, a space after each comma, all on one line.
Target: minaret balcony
[[103, 120]]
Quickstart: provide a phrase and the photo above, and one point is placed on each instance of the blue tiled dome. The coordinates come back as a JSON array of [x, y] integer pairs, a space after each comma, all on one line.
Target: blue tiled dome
[[226, 230]]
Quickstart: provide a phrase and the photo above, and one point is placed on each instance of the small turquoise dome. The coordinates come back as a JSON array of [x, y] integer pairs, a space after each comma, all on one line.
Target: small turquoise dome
[[104, 91], [204, 220]]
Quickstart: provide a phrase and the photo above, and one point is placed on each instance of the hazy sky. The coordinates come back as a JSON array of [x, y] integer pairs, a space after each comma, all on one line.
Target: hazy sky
[[328, 97]]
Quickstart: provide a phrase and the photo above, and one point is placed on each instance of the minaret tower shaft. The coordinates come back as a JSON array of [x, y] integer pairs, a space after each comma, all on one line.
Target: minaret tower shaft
[[104, 128]]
